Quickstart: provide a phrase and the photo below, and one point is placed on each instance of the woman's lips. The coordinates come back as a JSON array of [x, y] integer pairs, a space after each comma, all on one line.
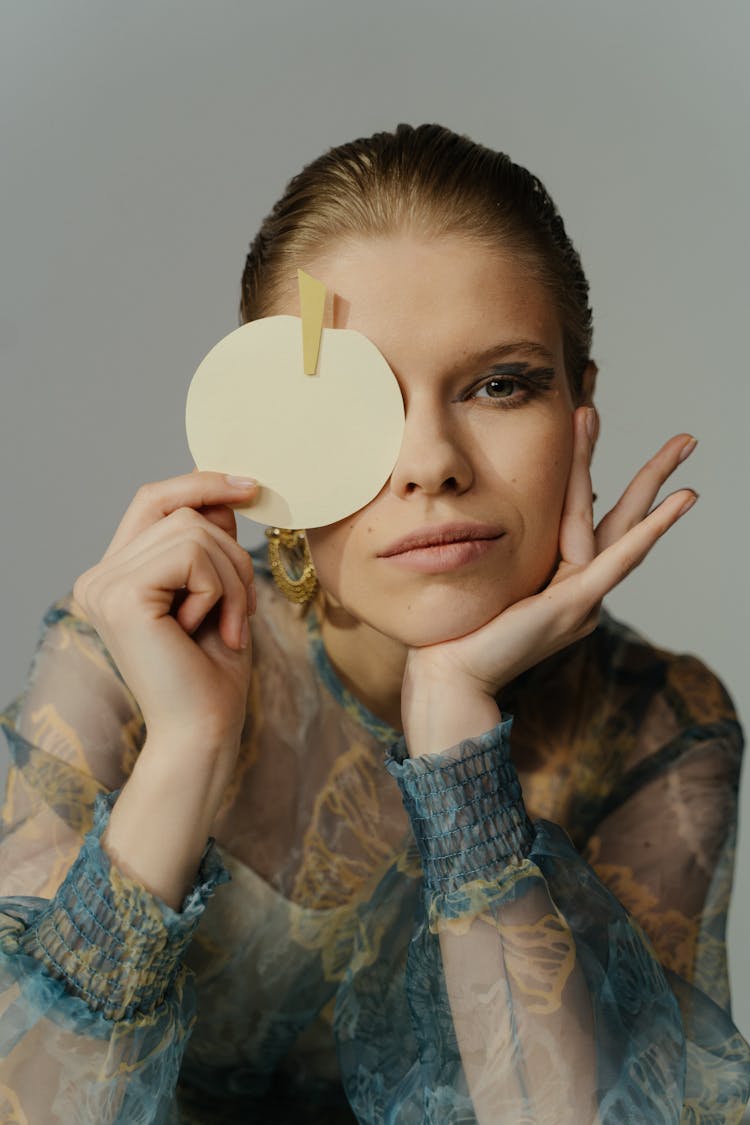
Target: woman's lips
[[442, 557]]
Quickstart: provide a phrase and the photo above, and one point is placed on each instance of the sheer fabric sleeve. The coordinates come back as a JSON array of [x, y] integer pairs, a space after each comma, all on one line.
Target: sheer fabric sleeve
[[543, 989], [95, 1005]]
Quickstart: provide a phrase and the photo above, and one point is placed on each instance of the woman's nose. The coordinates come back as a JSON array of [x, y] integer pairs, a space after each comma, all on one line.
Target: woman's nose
[[431, 459]]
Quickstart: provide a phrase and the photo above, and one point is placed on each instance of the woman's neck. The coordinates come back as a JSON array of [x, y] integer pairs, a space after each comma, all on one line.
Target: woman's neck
[[369, 664]]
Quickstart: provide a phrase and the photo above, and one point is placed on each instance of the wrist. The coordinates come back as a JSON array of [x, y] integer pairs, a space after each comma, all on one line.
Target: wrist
[[195, 771], [437, 714]]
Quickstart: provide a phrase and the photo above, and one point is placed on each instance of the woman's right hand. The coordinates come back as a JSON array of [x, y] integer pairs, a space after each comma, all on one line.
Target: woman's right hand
[[170, 598]]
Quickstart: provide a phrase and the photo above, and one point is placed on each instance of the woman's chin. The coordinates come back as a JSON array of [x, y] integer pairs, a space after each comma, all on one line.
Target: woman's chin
[[418, 627]]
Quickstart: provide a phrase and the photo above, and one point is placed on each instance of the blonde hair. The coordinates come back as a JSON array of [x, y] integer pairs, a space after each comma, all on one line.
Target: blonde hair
[[429, 180]]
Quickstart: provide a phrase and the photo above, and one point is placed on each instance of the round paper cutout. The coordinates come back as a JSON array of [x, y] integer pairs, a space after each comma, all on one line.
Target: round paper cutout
[[320, 446]]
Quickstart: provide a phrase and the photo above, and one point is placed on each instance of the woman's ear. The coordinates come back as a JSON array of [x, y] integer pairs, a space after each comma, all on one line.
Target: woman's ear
[[588, 386], [588, 383]]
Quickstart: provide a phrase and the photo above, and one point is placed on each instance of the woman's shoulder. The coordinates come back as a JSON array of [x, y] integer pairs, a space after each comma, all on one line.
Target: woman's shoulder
[[613, 712], [615, 699], [691, 688]]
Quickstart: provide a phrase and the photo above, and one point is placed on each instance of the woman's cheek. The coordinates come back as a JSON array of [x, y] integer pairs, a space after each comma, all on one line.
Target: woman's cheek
[[334, 551], [322, 546], [554, 467], [546, 497]]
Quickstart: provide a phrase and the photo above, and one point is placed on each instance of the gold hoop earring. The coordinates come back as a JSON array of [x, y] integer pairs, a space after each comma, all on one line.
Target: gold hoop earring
[[294, 575]]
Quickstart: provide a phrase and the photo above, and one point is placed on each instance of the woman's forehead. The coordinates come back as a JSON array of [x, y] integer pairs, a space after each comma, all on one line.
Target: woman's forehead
[[410, 293]]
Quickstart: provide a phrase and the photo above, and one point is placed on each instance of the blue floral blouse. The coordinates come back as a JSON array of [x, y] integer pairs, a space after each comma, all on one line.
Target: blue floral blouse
[[527, 927]]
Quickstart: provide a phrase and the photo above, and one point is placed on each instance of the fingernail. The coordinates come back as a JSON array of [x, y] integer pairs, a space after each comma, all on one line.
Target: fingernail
[[687, 449], [687, 505], [241, 482], [590, 423], [244, 634]]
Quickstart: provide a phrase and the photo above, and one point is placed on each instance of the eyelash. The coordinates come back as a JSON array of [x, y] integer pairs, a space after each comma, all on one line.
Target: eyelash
[[531, 387]]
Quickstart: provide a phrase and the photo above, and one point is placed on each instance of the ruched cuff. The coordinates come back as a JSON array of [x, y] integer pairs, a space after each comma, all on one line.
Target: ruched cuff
[[466, 808], [116, 945]]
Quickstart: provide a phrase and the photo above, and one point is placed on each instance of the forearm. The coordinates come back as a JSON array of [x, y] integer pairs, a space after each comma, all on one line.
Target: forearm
[[162, 820], [549, 983], [522, 1015], [487, 967]]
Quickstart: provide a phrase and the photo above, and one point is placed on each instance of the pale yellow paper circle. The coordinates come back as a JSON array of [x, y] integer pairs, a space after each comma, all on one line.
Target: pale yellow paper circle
[[320, 446]]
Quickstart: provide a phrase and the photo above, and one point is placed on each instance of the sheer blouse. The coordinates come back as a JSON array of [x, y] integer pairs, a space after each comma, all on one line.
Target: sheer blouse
[[525, 927]]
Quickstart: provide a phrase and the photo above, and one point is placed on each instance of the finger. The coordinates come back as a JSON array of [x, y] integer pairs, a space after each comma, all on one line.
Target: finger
[[636, 500], [154, 501], [221, 516], [200, 595], [148, 581], [188, 532], [577, 544], [180, 525], [210, 581], [615, 562], [188, 523], [237, 600]]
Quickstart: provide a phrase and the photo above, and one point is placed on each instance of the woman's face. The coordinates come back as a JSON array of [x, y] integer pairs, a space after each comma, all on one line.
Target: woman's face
[[476, 346]]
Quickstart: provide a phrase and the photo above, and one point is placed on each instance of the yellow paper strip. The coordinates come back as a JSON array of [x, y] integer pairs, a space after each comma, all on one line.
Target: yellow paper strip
[[312, 303]]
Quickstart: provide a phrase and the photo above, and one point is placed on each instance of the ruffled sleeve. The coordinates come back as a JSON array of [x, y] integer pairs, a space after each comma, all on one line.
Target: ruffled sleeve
[[95, 1003], [534, 994]]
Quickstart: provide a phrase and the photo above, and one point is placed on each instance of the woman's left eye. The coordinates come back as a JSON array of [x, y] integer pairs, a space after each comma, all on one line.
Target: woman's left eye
[[507, 388], [500, 388]]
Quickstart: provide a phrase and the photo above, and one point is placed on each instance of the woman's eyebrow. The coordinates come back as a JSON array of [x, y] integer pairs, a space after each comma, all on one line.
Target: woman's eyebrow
[[528, 348]]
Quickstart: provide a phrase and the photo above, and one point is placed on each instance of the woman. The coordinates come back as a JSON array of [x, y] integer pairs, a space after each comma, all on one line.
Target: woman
[[430, 918]]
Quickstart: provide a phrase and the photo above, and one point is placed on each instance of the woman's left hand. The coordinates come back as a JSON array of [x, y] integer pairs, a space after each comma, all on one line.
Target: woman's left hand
[[592, 562]]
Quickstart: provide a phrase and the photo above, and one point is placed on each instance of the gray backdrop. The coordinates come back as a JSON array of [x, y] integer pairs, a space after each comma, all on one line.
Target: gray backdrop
[[141, 145]]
